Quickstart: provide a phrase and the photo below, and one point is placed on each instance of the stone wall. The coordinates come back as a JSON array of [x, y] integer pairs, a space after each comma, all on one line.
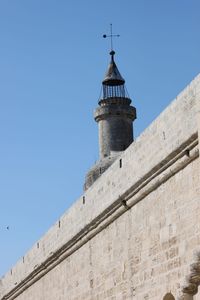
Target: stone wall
[[133, 234]]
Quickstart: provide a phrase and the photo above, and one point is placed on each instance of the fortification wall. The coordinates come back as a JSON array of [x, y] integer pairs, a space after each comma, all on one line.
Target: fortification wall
[[133, 233]]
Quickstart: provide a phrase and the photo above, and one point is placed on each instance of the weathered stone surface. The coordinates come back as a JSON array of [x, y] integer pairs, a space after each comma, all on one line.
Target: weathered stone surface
[[135, 233]]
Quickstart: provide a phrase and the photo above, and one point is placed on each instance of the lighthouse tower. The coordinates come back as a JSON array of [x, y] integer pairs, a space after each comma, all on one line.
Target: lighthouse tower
[[115, 117]]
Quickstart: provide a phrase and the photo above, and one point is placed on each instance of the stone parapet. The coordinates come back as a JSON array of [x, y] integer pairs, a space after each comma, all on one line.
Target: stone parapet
[[119, 110]]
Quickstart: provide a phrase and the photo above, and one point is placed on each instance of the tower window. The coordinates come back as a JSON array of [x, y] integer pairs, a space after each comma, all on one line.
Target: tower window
[[120, 163]]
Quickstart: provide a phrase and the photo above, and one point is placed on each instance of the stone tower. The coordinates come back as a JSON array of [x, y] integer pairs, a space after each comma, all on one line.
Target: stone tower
[[115, 117]]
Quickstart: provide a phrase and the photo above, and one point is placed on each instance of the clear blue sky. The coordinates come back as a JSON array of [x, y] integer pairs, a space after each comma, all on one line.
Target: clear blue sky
[[52, 61]]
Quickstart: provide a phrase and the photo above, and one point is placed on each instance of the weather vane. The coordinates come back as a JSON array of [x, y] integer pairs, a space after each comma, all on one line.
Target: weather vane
[[111, 35]]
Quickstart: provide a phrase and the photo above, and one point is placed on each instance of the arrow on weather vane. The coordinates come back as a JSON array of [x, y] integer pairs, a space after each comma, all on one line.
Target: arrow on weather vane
[[111, 35]]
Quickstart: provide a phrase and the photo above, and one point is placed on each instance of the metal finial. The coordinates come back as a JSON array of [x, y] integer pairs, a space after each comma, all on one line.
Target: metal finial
[[111, 35]]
